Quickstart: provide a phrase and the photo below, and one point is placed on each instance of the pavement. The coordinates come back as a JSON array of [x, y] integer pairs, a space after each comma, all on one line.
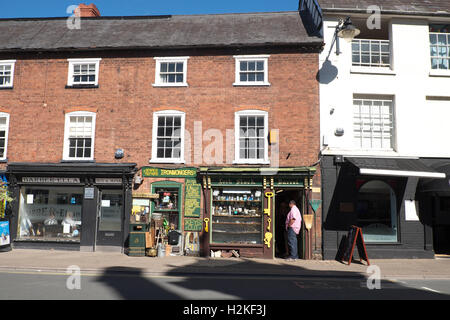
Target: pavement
[[101, 262]]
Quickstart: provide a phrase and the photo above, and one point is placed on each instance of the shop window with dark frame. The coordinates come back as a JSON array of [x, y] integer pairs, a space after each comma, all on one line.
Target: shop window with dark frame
[[377, 212], [50, 213], [236, 216], [167, 205]]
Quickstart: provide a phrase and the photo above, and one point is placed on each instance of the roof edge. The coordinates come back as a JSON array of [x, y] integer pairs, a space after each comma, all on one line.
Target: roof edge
[[393, 12], [316, 43], [164, 16]]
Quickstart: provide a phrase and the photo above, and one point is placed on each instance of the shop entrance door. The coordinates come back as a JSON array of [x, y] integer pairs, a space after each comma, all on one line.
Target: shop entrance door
[[282, 198], [110, 218], [441, 225]]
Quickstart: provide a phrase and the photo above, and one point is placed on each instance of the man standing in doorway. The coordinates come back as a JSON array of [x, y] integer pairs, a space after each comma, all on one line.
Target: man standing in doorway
[[293, 224]]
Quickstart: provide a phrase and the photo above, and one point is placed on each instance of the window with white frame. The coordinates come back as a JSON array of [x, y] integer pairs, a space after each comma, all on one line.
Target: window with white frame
[[252, 70], [373, 123], [4, 129], [251, 130], [7, 73], [370, 53], [83, 72], [171, 71], [168, 137], [440, 47], [79, 136]]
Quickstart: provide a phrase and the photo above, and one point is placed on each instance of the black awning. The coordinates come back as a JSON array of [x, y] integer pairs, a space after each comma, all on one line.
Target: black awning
[[394, 167], [437, 185]]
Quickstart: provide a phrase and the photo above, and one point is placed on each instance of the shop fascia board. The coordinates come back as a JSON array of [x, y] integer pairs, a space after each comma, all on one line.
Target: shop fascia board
[[262, 171], [57, 168]]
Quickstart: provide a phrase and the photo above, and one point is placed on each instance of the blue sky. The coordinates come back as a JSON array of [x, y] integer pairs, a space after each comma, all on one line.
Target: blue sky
[[57, 8]]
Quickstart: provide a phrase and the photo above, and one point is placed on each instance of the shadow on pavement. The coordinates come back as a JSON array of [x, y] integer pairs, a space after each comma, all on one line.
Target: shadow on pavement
[[132, 284], [249, 279]]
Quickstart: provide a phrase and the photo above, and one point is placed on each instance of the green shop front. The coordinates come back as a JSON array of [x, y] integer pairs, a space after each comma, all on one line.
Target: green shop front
[[245, 210], [167, 199]]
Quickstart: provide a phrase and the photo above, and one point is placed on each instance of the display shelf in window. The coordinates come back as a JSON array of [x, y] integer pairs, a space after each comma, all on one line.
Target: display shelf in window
[[236, 216]]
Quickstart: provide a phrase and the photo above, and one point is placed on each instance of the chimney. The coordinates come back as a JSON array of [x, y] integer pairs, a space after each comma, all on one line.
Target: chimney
[[85, 11]]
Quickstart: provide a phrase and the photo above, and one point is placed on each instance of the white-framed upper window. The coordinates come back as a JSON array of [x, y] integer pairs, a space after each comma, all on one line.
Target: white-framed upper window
[[440, 47], [373, 123], [252, 70], [371, 53], [79, 136], [251, 137], [4, 130], [7, 73], [83, 72], [171, 72], [168, 136]]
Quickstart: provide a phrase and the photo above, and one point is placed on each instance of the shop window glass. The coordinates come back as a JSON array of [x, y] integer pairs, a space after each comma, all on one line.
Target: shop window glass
[[50, 213], [236, 216], [166, 205], [377, 212], [111, 211]]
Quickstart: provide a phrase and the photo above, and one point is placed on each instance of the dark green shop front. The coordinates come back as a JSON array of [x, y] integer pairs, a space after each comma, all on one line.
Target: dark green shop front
[[245, 209]]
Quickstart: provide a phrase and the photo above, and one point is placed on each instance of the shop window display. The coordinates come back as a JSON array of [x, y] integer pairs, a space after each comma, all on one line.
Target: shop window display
[[50, 213], [377, 212], [236, 216], [167, 205]]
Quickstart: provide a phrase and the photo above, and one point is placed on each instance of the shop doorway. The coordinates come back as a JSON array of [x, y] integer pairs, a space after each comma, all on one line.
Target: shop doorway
[[282, 198], [110, 219], [441, 225]]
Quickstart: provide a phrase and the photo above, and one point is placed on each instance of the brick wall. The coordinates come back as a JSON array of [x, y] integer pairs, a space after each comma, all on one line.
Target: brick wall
[[126, 98], [125, 101]]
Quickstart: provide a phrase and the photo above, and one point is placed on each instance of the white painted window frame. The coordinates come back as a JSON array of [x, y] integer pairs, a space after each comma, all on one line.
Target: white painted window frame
[[5, 115], [67, 133], [11, 63], [156, 114], [238, 59], [394, 128], [72, 62], [371, 53], [439, 71], [160, 60], [237, 115]]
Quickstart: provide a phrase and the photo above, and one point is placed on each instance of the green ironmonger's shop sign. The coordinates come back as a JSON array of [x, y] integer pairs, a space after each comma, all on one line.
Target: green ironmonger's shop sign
[[152, 172]]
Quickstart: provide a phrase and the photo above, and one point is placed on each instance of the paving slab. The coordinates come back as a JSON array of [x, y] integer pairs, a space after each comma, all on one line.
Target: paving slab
[[57, 260]]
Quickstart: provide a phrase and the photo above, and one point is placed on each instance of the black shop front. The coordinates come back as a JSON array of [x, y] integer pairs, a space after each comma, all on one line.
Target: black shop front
[[434, 199], [380, 195], [70, 206]]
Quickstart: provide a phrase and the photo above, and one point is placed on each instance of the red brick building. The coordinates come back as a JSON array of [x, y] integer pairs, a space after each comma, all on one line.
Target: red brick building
[[100, 117]]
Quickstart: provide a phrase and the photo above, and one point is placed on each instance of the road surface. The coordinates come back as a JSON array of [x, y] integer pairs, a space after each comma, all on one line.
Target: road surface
[[134, 285]]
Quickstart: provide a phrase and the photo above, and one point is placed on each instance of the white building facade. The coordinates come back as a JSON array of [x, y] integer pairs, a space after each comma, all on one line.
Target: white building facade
[[385, 131]]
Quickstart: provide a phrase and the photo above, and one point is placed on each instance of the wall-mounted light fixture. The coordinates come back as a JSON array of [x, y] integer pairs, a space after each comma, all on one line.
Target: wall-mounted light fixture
[[339, 132], [119, 154], [345, 30]]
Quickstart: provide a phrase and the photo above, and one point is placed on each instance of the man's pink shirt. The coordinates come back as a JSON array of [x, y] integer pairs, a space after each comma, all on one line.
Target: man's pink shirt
[[294, 214]]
